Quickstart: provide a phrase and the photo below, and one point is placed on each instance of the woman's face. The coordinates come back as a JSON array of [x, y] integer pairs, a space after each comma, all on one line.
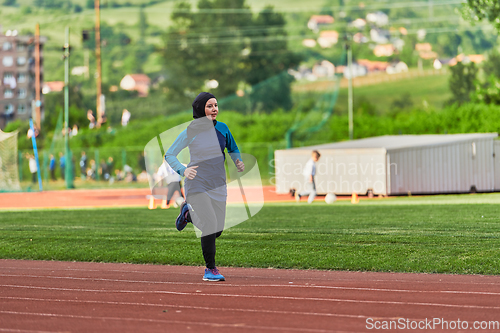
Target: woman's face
[[211, 109]]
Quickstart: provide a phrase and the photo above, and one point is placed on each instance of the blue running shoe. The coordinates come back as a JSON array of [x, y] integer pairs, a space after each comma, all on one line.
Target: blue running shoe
[[213, 275], [184, 217]]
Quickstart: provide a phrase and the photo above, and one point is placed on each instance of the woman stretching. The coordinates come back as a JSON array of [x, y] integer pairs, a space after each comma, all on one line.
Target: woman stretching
[[205, 184]]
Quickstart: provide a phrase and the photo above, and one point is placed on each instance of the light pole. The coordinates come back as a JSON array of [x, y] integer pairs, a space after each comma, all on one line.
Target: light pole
[[99, 103], [67, 153], [349, 78]]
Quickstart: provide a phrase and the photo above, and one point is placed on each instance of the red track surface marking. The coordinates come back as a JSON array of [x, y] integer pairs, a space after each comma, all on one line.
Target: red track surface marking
[[46, 296]]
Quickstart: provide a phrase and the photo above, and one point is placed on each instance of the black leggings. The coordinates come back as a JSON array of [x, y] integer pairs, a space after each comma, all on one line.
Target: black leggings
[[209, 216]]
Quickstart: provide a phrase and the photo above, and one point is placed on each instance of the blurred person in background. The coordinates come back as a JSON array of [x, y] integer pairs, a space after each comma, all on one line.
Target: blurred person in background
[[52, 167], [83, 165], [74, 131], [110, 165], [91, 119], [142, 161], [92, 171], [142, 176], [125, 117], [129, 174], [33, 167], [309, 173], [104, 170], [118, 175], [62, 165], [172, 180]]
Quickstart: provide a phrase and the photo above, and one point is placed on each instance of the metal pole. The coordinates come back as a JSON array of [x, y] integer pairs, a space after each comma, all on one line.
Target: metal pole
[[38, 120], [67, 157], [35, 150], [98, 61], [350, 104]]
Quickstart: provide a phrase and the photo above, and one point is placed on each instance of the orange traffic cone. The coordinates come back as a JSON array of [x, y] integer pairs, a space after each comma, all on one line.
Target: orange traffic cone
[[164, 204], [152, 203], [354, 198]]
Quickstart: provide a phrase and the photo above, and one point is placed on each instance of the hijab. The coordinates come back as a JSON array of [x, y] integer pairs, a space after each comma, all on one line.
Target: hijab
[[199, 104], [200, 123]]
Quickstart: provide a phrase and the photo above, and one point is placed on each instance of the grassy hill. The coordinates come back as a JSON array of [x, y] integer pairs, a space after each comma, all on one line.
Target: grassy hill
[[125, 19]]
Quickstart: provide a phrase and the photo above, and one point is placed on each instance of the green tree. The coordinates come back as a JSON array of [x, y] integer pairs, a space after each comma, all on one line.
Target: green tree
[[462, 82], [142, 22], [488, 93], [25, 10], [230, 47], [492, 65], [269, 57], [9, 2], [54, 103], [204, 46], [478, 10]]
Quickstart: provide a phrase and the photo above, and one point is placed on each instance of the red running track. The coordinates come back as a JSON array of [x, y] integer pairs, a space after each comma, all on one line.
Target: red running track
[[117, 198], [49, 296]]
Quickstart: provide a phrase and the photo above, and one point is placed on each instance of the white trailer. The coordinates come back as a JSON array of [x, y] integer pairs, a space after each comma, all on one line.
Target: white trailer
[[397, 164]]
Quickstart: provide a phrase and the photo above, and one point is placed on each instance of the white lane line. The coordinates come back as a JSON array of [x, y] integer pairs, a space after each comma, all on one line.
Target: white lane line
[[258, 296], [260, 285], [23, 331], [234, 326], [333, 279], [190, 307]]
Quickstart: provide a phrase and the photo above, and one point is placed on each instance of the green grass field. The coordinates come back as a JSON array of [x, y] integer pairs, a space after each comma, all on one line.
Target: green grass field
[[443, 234]]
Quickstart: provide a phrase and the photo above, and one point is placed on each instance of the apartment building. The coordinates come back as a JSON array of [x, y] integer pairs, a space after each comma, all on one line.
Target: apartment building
[[17, 76]]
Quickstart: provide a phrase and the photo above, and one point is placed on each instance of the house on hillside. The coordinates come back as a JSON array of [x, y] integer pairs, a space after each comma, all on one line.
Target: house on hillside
[[423, 47], [139, 82], [52, 86], [428, 55], [398, 44], [373, 66], [379, 36], [425, 51], [384, 50], [328, 38], [317, 20], [359, 38], [79, 70], [397, 68], [356, 70], [359, 23], [378, 18], [309, 42], [324, 69], [475, 58]]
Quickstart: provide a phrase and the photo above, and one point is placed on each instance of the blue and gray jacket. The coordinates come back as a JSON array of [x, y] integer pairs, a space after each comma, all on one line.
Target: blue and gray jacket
[[206, 143]]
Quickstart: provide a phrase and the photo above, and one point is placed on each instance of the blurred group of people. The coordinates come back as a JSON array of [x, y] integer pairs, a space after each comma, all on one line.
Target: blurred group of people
[[89, 169], [106, 170], [93, 123], [71, 131], [62, 166]]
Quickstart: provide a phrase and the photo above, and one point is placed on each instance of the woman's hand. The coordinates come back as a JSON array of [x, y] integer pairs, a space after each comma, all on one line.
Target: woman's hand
[[239, 165], [190, 172]]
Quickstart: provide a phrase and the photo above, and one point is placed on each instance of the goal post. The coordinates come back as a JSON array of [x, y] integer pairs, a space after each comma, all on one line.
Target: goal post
[[9, 172]]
